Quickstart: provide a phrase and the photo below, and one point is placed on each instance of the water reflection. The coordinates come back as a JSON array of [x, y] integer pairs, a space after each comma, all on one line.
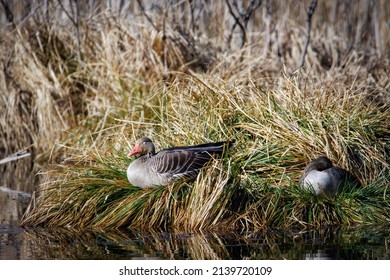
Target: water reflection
[[39, 243], [13, 204], [336, 243]]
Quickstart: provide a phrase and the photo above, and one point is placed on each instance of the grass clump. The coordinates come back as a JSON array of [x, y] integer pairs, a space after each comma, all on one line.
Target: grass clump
[[101, 197], [252, 187]]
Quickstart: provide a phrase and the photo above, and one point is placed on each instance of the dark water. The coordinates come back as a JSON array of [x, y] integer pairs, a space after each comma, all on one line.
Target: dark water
[[352, 243], [328, 243]]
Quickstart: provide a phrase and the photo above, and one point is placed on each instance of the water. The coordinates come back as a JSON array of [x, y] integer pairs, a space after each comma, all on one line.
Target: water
[[327, 243], [66, 243], [17, 243]]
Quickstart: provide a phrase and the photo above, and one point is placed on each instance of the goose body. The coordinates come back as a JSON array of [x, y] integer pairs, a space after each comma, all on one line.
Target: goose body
[[153, 169], [321, 176]]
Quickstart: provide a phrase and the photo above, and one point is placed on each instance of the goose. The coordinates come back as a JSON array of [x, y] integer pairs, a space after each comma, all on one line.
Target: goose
[[322, 177], [153, 169]]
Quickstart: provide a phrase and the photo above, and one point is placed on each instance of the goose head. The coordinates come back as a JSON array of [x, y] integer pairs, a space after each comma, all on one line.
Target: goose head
[[320, 164], [143, 146]]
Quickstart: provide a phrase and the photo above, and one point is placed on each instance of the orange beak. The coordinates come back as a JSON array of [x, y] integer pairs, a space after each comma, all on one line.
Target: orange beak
[[135, 150]]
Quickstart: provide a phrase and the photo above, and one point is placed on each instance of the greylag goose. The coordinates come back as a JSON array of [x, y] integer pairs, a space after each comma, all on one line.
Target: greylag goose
[[324, 178], [153, 169]]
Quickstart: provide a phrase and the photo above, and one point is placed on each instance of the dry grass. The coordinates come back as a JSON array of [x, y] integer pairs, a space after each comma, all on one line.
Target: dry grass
[[82, 111], [252, 188]]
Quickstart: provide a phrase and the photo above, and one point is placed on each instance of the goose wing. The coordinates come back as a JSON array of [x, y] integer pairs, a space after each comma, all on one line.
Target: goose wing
[[176, 164], [344, 179]]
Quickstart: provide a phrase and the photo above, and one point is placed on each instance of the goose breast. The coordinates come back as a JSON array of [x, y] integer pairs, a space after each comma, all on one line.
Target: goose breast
[[320, 182]]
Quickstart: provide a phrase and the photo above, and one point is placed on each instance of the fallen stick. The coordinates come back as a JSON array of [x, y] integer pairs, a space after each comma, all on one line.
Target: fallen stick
[[16, 156]]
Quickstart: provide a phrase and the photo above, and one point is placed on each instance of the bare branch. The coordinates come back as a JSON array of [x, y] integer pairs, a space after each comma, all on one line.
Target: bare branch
[[16, 156], [251, 8], [8, 12], [66, 12], [242, 19], [78, 32], [76, 23], [146, 15], [237, 22], [309, 13]]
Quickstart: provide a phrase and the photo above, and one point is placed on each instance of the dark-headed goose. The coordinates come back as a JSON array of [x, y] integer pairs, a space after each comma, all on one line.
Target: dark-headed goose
[[325, 178], [153, 169]]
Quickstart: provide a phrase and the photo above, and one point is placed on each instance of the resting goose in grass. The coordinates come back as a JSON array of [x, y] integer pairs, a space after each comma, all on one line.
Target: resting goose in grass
[[153, 169], [325, 178]]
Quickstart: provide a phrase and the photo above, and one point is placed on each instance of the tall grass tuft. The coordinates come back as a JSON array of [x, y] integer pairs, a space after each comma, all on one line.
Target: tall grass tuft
[[253, 186]]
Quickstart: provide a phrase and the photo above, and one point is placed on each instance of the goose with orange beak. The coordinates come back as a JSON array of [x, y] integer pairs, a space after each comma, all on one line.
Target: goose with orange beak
[[153, 169]]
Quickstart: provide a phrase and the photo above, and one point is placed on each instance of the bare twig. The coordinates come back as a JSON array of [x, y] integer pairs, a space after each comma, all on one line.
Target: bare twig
[[8, 12], [309, 13], [16, 156], [242, 19], [75, 22], [78, 32], [146, 15], [237, 22], [251, 8], [66, 12]]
